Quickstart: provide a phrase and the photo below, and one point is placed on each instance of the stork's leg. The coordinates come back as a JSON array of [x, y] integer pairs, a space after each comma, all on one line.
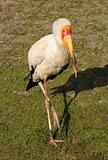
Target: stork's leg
[[55, 117], [52, 141]]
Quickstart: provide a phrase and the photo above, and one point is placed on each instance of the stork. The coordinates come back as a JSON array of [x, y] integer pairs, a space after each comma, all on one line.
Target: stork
[[47, 58]]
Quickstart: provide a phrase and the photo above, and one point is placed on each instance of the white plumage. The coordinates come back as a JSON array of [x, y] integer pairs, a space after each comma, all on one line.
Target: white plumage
[[47, 57]]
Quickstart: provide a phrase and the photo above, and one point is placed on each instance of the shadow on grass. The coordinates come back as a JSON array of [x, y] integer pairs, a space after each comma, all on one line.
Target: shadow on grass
[[87, 80]]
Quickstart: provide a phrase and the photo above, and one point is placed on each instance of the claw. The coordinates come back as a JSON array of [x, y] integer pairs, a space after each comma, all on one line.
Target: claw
[[59, 140]]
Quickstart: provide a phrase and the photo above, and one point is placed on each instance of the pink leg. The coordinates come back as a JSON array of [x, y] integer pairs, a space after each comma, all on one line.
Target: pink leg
[[55, 117], [52, 141]]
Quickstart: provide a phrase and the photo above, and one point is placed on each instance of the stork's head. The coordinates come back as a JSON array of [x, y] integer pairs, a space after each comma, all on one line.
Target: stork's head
[[63, 30]]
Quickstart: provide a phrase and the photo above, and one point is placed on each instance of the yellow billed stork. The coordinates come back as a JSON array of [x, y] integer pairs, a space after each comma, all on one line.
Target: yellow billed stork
[[47, 58]]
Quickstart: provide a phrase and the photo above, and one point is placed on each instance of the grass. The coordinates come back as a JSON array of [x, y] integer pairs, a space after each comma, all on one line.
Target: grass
[[23, 120]]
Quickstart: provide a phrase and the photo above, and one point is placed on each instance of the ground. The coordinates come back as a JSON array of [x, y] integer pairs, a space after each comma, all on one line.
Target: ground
[[83, 117]]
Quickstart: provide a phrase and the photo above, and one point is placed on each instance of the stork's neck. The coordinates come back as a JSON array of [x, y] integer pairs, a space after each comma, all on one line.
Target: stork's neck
[[59, 42], [60, 45]]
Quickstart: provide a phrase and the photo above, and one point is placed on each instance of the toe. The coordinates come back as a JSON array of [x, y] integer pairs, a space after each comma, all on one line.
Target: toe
[[52, 142]]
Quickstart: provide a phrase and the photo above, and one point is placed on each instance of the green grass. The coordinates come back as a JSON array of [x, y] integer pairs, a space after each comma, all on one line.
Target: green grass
[[23, 120]]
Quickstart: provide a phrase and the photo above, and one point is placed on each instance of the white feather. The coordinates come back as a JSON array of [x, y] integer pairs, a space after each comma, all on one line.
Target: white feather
[[48, 55]]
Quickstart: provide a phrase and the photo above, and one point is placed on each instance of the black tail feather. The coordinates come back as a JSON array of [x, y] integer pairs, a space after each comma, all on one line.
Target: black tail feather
[[31, 84], [30, 78]]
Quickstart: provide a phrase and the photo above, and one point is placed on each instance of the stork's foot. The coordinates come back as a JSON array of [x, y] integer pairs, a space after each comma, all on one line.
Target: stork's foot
[[55, 141], [52, 141]]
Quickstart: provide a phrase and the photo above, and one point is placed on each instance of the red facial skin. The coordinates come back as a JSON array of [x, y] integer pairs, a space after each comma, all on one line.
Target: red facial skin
[[67, 30]]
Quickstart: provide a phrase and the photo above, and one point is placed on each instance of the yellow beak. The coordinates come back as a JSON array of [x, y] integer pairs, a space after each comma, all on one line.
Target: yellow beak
[[69, 47]]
